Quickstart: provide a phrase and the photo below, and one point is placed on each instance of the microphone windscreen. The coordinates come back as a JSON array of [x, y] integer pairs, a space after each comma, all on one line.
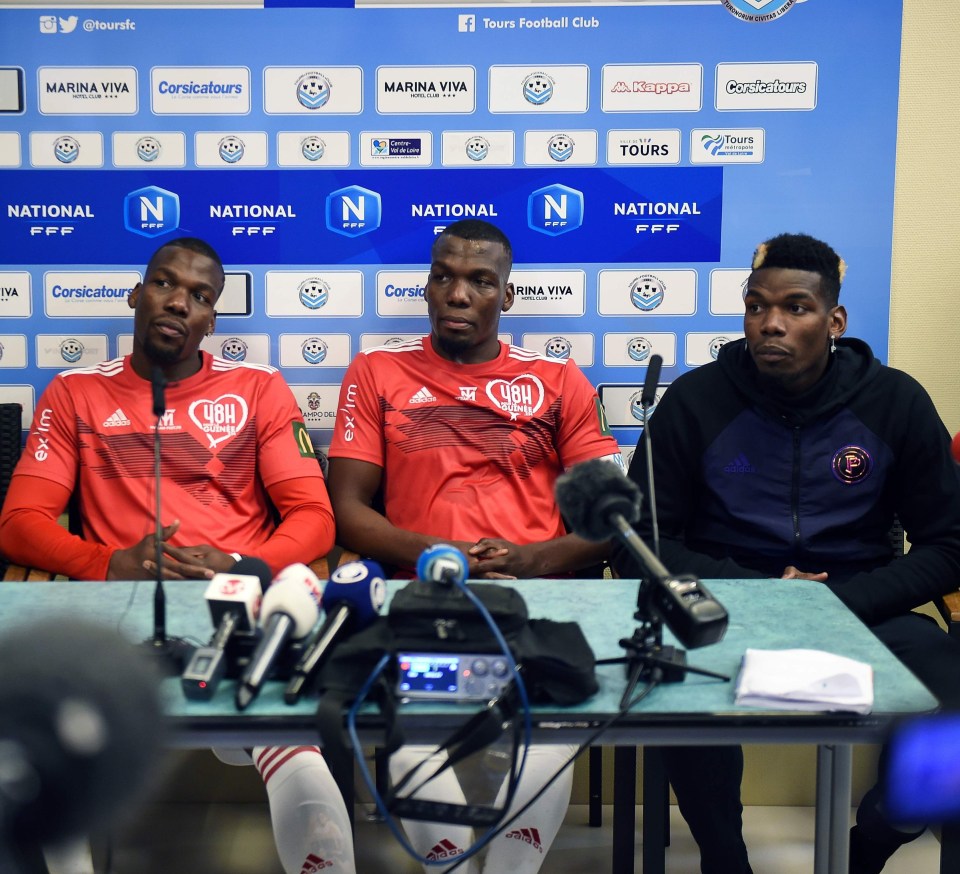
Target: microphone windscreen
[[250, 565], [442, 563], [81, 722], [359, 585], [296, 592], [590, 492]]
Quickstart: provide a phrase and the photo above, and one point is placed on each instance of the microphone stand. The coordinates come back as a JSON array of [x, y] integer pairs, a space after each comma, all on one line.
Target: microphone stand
[[173, 653], [647, 657]]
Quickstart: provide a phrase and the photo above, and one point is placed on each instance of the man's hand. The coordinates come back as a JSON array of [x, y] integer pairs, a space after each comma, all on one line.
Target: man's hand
[[495, 559], [191, 562], [131, 563], [792, 573]]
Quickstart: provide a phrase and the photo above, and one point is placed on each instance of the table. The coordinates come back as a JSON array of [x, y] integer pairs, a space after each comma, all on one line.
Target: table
[[765, 614]]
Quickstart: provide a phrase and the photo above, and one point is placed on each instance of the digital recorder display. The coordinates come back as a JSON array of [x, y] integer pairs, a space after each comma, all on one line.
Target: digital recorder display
[[451, 676]]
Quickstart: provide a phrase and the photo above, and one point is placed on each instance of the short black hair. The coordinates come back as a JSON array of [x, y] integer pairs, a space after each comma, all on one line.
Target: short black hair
[[478, 229], [803, 252], [194, 244]]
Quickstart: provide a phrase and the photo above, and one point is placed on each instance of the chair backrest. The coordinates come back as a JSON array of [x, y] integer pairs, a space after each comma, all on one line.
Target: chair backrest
[[10, 449]]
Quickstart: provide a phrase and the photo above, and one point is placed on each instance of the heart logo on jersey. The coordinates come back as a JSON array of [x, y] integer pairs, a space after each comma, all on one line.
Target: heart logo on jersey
[[523, 395], [219, 419]]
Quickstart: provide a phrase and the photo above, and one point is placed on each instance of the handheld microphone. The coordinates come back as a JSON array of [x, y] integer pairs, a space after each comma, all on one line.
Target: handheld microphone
[[442, 563], [81, 730], [234, 602], [353, 598], [649, 392], [598, 501], [289, 609], [647, 397]]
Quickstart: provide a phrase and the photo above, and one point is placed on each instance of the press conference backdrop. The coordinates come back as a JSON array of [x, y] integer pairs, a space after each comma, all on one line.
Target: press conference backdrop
[[635, 155]]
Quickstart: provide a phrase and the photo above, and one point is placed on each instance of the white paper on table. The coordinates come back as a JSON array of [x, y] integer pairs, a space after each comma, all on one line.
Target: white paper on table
[[804, 679]]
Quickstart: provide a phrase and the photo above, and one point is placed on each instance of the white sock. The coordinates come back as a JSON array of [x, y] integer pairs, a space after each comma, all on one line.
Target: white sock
[[434, 840], [310, 822], [522, 847]]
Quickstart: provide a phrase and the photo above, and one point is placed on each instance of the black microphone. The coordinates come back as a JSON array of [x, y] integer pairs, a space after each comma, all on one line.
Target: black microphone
[[81, 733], [597, 501], [289, 609], [353, 598], [649, 393], [158, 383]]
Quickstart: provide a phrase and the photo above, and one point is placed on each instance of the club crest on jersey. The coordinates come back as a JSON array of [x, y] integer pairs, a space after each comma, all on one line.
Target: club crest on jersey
[[521, 396], [219, 419]]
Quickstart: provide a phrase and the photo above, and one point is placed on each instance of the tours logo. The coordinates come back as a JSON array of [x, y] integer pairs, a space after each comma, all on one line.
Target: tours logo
[[758, 10], [313, 293], [638, 348], [558, 348], [313, 90]]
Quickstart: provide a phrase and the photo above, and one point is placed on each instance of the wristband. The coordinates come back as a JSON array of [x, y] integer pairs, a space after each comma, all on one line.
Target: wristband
[[236, 556]]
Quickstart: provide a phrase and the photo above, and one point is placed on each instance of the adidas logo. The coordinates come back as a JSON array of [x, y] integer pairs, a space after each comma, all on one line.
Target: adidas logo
[[445, 849], [422, 397], [741, 464], [313, 863], [117, 420], [528, 836]]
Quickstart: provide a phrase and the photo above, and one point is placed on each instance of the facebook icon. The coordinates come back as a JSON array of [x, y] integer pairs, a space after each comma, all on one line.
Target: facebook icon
[[467, 23], [555, 210]]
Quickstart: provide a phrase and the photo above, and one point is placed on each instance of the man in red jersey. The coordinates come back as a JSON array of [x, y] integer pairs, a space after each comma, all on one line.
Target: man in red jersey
[[233, 444], [466, 436]]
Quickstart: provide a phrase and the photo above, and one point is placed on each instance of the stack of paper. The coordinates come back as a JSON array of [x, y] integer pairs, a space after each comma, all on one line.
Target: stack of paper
[[804, 679]]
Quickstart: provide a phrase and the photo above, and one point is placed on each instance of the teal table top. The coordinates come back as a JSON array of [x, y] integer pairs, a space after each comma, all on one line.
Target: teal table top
[[764, 614]]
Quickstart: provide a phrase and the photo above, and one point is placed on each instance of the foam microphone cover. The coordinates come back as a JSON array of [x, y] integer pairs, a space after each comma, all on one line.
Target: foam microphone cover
[[250, 565], [359, 586], [81, 729], [291, 593], [590, 492], [442, 563]]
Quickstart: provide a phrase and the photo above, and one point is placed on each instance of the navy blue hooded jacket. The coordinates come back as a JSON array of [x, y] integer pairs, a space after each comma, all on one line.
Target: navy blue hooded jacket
[[750, 481]]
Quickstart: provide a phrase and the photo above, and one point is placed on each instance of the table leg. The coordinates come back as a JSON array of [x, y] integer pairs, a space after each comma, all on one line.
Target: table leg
[[656, 812], [832, 832], [624, 809]]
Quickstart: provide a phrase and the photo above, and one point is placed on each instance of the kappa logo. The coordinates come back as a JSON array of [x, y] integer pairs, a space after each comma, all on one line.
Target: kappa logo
[[117, 420], [219, 419], [523, 395], [422, 397]]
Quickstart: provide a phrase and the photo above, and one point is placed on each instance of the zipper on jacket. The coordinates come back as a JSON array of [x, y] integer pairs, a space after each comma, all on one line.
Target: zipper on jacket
[[795, 489]]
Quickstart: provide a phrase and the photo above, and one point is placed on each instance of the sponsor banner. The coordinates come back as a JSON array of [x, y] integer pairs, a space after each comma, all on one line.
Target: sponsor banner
[[651, 87], [753, 86], [622, 403], [25, 395], [200, 90], [396, 148], [11, 89], [488, 148], [548, 293], [314, 293], [635, 348], [15, 298], [569, 148], [318, 404], [727, 145], [314, 350], [577, 347], [219, 149], [647, 292], [87, 90], [539, 89], [386, 216], [312, 90], [313, 149], [236, 299], [727, 287], [426, 90], [61, 351], [73, 150], [250, 348], [88, 294], [702, 347], [10, 149], [638, 147], [149, 149], [400, 292], [13, 350]]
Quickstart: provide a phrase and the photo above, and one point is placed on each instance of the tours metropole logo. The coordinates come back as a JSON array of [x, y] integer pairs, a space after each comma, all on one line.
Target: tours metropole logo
[[758, 10]]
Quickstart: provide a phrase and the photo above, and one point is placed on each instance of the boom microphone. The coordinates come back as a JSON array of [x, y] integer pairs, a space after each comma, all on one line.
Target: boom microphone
[[598, 501], [81, 730], [353, 598], [442, 563], [649, 392], [289, 609]]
